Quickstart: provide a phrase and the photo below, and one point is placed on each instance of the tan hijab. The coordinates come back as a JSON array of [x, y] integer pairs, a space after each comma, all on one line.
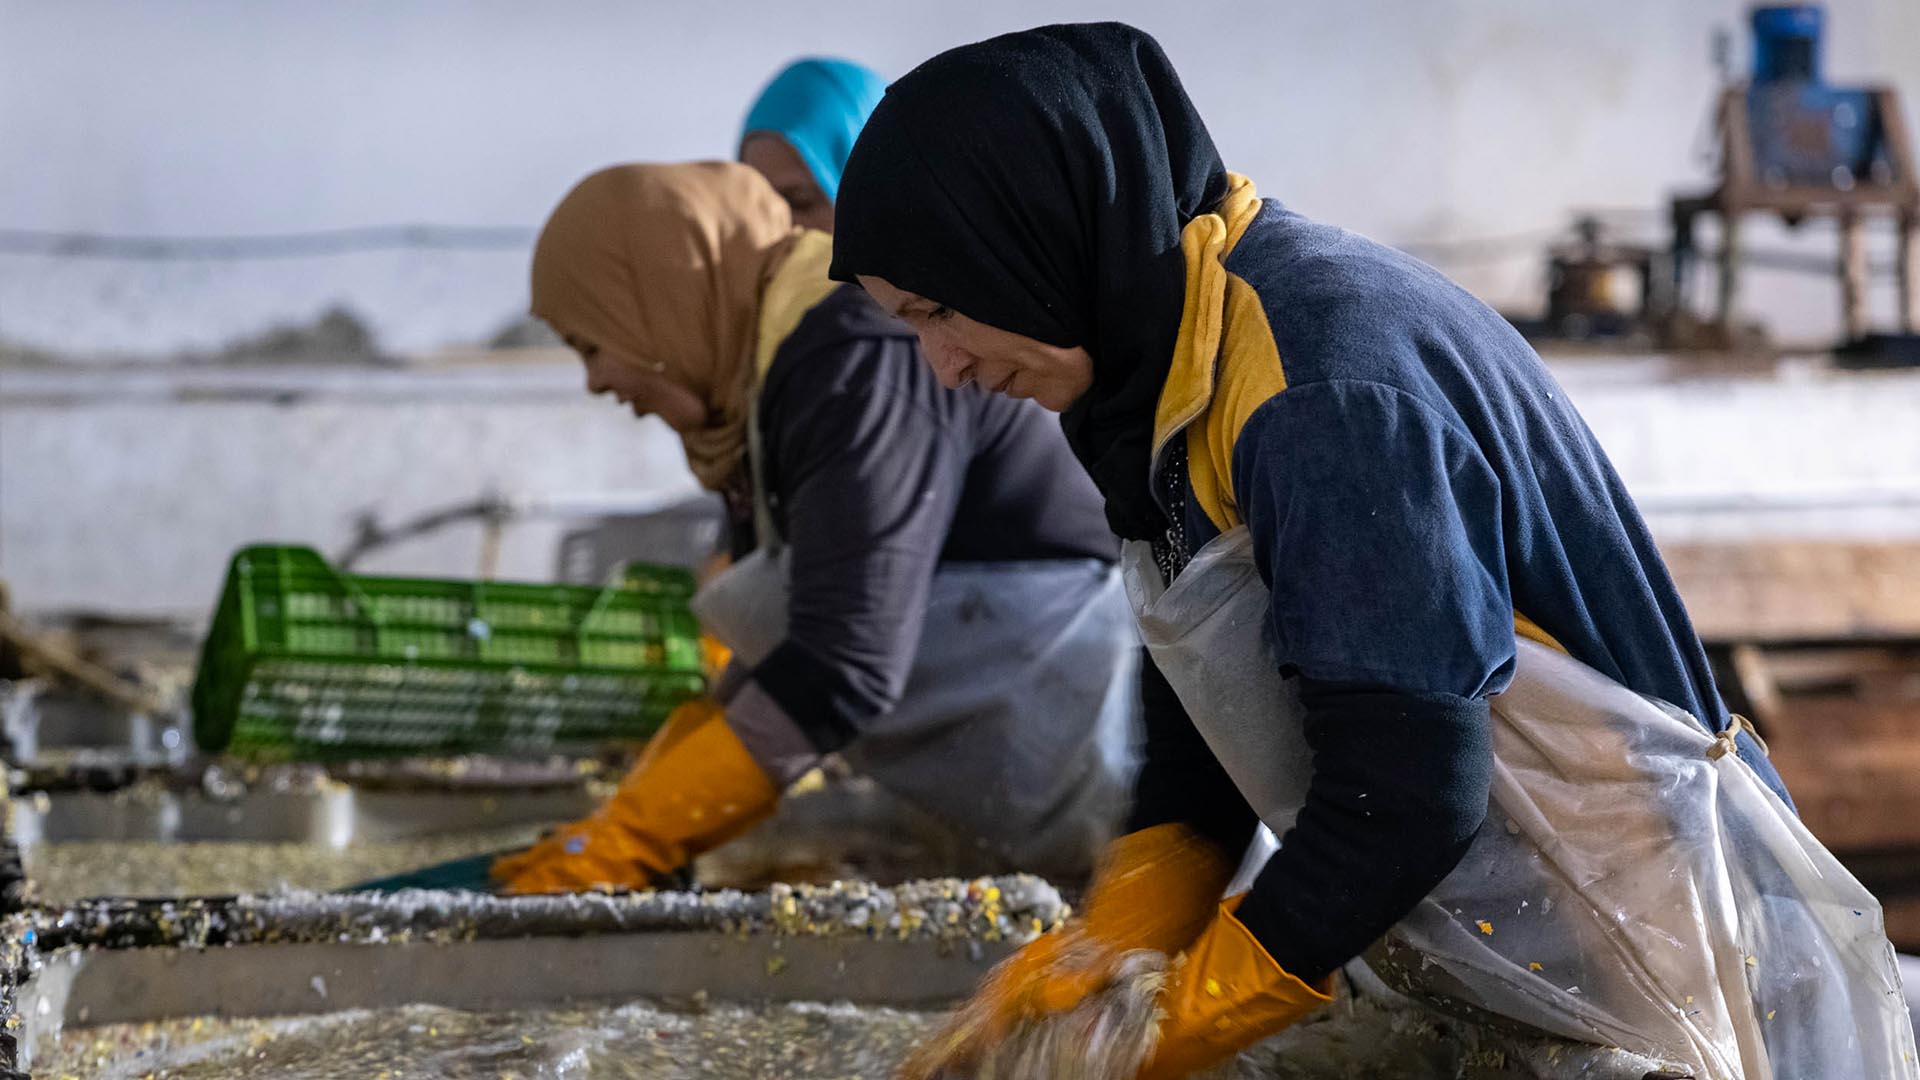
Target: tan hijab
[[666, 263]]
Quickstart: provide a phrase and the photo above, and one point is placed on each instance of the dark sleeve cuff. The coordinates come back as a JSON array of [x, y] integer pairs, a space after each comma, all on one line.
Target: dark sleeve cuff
[[782, 750], [816, 696], [1400, 785]]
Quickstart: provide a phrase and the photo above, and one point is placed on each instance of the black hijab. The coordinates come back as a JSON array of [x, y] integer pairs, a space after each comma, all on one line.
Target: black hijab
[[1038, 182]]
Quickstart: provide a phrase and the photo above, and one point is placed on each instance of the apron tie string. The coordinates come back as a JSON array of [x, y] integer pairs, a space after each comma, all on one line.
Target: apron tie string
[[1723, 743]]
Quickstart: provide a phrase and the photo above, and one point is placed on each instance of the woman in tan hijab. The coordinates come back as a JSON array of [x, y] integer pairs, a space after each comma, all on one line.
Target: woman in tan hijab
[[928, 589]]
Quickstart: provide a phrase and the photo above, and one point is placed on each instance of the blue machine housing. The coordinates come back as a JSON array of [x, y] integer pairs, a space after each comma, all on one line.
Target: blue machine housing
[[1786, 42], [1804, 132]]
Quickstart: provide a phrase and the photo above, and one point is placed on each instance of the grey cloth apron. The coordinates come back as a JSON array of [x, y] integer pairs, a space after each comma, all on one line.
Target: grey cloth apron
[[1016, 724], [1635, 883]]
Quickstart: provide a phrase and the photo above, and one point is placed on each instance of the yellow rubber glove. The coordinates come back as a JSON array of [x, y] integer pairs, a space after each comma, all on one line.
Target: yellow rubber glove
[[1228, 994], [1154, 889], [694, 788]]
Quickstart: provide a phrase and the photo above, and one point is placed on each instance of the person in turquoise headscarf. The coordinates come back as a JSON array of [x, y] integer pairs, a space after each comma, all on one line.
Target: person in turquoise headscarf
[[802, 127]]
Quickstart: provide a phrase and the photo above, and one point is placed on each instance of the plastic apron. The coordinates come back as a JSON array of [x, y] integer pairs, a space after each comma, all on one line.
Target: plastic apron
[[1635, 885], [1016, 722]]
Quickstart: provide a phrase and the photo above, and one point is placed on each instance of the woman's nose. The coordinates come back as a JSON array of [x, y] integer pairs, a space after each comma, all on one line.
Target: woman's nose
[[953, 367]]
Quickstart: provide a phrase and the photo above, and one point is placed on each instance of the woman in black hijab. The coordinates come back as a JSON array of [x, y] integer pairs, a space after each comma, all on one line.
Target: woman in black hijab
[[1361, 508], [1054, 214]]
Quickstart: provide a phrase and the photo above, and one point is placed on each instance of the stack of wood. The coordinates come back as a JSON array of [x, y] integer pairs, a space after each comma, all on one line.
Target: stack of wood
[[1818, 642]]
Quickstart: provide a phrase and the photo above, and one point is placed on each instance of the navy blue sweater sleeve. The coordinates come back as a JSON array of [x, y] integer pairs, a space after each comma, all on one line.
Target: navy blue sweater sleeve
[[866, 480], [1377, 528]]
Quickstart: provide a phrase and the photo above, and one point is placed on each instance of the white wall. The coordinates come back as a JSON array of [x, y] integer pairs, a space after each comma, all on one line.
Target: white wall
[[1407, 119], [126, 491]]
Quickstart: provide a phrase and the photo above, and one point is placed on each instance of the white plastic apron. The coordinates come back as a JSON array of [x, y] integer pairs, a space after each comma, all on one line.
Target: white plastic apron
[[1633, 885], [1016, 721]]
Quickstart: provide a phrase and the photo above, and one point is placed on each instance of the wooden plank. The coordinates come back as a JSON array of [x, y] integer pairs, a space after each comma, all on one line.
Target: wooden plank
[[1809, 201], [1793, 670], [1854, 280], [1907, 282], [1903, 921], [1799, 590], [41, 653], [1893, 128], [1853, 768]]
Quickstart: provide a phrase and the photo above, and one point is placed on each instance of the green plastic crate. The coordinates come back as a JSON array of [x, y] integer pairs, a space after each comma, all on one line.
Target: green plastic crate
[[304, 662]]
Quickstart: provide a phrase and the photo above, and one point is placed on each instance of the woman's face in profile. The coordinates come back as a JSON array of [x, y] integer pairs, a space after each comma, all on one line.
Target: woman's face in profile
[[962, 350], [638, 384], [776, 159]]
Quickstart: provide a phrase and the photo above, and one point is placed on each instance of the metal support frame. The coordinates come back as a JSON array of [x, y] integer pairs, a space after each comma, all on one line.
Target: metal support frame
[[1742, 193]]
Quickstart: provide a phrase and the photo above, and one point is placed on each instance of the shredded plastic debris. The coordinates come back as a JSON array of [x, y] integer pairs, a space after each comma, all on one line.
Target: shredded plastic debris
[[625, 1043], [1107, 1037], [1394, 1039], [946, 909], [66, 873], [1357, 1038]]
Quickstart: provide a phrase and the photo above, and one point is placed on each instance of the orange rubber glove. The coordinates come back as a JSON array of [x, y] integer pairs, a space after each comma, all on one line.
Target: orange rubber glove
[[1154, 889], [714, 656], [694, 788], [1228, 994]]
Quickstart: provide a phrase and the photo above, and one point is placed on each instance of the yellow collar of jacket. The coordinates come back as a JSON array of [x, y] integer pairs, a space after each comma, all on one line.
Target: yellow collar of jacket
[[1226, 365], [796, 287], [1222, 319]]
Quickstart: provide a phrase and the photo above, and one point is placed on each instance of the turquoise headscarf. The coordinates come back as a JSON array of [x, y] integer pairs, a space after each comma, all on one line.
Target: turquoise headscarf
[[819, 106]]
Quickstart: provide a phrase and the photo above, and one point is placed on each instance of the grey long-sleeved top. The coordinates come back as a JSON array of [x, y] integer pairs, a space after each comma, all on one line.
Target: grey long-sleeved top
[[875, 475]]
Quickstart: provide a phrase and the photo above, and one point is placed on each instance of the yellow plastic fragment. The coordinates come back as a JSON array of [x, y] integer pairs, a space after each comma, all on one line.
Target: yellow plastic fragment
[[1753, 961], [1770, 1013], [812, 780], [1485, 927], [1534, 965]]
